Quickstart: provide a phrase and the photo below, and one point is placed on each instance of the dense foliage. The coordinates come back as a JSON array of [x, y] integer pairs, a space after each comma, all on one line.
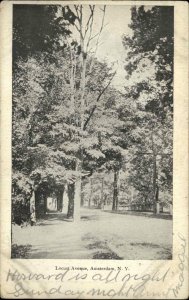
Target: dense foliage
[[149, 70], [69, 121]]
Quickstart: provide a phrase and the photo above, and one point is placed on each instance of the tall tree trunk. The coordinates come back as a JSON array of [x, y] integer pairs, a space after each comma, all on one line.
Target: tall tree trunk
[[83, 57], [154, 182], [60, 199], [91, 192], [77, 194], [102, 194], [115, 192], [156, 208], [71, 192], [155, 193], [74, 195], [82, 90], [33, 207], [157, 200], [84, 44]]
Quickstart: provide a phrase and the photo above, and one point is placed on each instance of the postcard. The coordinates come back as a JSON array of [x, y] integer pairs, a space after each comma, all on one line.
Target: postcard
[[94, 150]]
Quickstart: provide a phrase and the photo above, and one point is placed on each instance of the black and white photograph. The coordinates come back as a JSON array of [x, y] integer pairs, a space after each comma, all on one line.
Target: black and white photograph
[[92, 131]]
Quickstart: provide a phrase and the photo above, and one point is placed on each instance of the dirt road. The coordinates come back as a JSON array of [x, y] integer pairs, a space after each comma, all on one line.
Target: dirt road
[[98, 235]]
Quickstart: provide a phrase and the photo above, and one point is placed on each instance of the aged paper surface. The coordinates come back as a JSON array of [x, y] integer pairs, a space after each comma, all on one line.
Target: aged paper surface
[[102, 278]]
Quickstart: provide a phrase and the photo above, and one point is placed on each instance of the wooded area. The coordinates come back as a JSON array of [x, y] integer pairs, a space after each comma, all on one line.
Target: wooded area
[[74, 134]]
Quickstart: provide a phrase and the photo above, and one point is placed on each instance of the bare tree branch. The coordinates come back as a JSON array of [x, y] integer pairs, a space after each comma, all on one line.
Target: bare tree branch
[[76, 9], [77, 27], [97, 100], [101, 28], [90, 19], [90, 32], [98, 35], [81, 11], [94, 36]]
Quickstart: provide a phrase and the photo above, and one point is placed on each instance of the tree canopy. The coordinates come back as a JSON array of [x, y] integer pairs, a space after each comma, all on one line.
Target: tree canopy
[[69, 120], [149, 70]]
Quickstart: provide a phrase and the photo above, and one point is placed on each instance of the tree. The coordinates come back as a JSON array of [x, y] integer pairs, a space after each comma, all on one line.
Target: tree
[[150, 49], [55, 98], [33, 155], [112, 142], [37, 87], [85, 93], [150, 84], [38, 29]]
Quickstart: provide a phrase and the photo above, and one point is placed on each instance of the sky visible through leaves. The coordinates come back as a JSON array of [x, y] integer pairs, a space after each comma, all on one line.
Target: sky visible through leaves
[[110, 46]]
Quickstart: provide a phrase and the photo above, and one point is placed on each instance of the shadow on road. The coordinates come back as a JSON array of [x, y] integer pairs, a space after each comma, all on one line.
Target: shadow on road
[[50, 218]]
